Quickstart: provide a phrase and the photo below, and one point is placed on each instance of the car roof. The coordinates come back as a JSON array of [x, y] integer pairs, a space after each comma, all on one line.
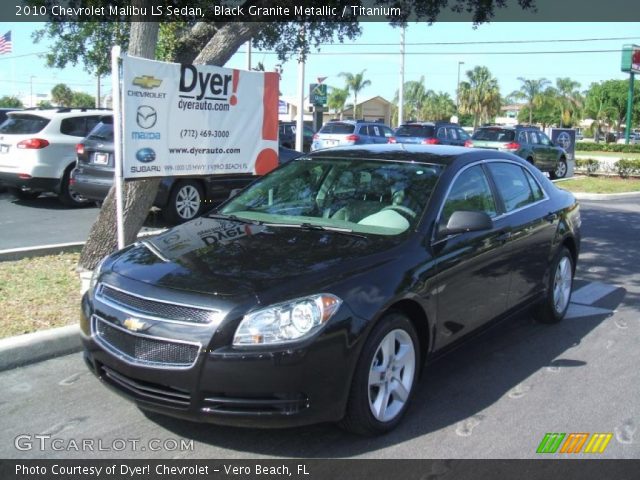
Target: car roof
[[431, 124], [61, 112], [434, 154]]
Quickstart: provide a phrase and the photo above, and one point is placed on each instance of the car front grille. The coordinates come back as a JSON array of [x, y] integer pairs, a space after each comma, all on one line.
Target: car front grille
[[155, 308], [143, 349], [275, 404]]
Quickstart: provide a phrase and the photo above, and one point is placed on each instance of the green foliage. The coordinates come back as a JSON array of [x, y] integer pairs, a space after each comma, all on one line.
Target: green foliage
[[607, 147], [606, 103], [62, 95], [590, 165], [337, 98], [83, 100], [44, 104], [532, 91], [628, 167], [480, 95], [355, 83], [10, 102], [437, 107]]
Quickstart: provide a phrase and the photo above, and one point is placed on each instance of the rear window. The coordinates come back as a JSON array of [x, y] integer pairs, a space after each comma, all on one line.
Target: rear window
[[102, 131], [338, 128], [494, 135], [415, 131], [23, 124]]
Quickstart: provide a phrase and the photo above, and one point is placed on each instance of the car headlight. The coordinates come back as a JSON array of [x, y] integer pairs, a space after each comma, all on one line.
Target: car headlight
[[286, 322], [96, 274]]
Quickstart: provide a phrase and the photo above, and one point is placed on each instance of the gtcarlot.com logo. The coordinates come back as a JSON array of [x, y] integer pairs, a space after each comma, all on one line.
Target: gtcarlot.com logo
[[574, 443]]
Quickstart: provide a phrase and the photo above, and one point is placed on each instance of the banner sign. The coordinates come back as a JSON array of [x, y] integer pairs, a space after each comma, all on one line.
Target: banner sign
[[630, 58], [565, 138], [197, 120]]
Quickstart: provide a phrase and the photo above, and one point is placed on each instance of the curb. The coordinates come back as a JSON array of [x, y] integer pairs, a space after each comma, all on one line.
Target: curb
[[605, 196], [11, 254], [35, 347], [39, 251]]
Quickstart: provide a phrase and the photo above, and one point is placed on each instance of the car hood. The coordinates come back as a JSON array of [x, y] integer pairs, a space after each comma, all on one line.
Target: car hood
[[229, 258]]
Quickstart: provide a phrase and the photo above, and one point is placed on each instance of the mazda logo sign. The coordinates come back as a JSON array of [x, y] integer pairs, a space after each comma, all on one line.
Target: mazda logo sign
[[146, 117]]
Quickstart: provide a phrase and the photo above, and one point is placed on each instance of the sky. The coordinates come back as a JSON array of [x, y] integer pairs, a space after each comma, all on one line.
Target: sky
[[23, 69]]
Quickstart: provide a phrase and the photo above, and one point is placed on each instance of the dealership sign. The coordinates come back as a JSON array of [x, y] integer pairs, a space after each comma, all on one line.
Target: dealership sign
[[197, 120], [630, 58]]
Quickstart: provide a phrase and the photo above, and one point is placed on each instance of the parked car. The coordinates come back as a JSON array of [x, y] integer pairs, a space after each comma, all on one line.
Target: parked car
[[350, 132], [526, 142], [430, 133], [319, 292], [37, 151], [287, 135], [634, 139], [179, 198], [5, 111]]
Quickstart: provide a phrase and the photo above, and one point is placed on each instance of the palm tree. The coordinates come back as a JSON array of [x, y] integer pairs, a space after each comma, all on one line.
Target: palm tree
[[355, 83], [531, 91], [570, 98], [415, 95], [480, 95], [438, 107], [337, 99]]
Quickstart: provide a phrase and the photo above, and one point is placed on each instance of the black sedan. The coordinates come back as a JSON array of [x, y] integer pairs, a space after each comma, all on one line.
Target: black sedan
[[179, 198], [319, 292]]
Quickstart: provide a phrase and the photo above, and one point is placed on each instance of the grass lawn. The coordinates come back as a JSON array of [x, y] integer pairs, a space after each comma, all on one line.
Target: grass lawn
[[38, 293], [616, 155], [601, 185]]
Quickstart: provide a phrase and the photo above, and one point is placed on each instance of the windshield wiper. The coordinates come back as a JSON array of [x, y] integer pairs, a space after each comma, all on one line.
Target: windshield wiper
[[324, 228], [235, 218]]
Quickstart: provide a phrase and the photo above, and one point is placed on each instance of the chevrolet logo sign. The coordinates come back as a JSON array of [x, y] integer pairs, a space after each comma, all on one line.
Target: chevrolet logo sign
[[134, 324], [147, 81]]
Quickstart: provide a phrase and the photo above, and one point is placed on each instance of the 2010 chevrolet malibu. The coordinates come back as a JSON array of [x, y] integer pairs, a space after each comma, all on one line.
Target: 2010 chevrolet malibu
[[319, 292]]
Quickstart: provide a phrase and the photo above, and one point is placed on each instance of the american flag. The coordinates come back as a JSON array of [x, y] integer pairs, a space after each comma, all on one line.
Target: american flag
[[5, 43]]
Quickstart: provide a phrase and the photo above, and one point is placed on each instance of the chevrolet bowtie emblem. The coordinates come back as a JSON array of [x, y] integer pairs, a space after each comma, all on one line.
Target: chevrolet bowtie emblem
[[147, 81], [134, 324]]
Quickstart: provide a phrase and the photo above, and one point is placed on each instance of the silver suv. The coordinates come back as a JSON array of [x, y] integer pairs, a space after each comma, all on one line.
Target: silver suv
[[349, 132], [38, 151]]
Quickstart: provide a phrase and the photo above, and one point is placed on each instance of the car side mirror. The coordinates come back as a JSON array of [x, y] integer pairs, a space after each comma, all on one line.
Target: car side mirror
[[462, 221]]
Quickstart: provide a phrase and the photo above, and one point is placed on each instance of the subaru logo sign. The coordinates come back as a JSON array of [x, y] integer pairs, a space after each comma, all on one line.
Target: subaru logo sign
[[146, 155]]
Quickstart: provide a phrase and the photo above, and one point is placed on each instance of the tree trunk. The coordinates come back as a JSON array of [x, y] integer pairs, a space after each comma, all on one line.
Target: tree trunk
[[140, 194]]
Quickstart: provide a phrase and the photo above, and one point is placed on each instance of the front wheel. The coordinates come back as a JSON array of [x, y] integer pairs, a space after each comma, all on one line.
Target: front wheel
[[384, 379], [185, 202], [556, 303], [560, 171]]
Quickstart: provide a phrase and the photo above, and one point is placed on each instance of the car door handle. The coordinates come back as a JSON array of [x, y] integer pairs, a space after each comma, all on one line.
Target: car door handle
[[551, 217]]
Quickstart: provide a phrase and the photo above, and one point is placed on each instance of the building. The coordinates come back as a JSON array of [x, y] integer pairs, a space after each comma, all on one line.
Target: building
[[509, 114], [374, 109]]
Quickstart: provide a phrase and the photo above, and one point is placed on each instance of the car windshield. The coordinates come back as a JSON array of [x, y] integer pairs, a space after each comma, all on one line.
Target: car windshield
[[23, 124], [494, 135], [365, 196], [415, 131]]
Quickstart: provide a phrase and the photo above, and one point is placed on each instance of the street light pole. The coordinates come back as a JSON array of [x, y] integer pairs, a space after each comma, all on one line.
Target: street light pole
[[31, 90], [458, 90]]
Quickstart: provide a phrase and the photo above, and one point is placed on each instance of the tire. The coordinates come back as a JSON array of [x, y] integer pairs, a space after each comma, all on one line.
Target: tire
[[560, 171], [67, 196], [185, 202], [22, 195], [391, 393], [555, 305]]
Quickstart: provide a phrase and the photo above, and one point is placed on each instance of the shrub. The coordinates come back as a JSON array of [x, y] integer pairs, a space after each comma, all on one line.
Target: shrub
[[627, 167], [590, 165], [607, 147]]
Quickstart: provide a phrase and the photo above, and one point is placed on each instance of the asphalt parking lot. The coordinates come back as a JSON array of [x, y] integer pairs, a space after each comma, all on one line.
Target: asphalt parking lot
[[493, 398]]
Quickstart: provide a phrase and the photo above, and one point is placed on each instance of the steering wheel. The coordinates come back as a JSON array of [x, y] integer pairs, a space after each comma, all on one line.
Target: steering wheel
[[401, 209]]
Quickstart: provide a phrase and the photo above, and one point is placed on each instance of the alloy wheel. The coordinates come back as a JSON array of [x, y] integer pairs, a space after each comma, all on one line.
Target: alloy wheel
[[562, 285], [391, 375], [187, 202]]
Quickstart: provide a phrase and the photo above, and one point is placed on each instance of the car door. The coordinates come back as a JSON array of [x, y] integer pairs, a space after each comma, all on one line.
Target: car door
[[540, 154], [551, 155], [531, 227], [472, 279]]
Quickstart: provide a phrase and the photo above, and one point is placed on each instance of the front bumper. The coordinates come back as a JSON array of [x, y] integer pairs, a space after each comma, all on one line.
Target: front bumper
[[289, 387]]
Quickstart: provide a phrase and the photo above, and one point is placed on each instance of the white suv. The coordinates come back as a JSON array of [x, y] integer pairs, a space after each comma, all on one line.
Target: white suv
[[38, 150]]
